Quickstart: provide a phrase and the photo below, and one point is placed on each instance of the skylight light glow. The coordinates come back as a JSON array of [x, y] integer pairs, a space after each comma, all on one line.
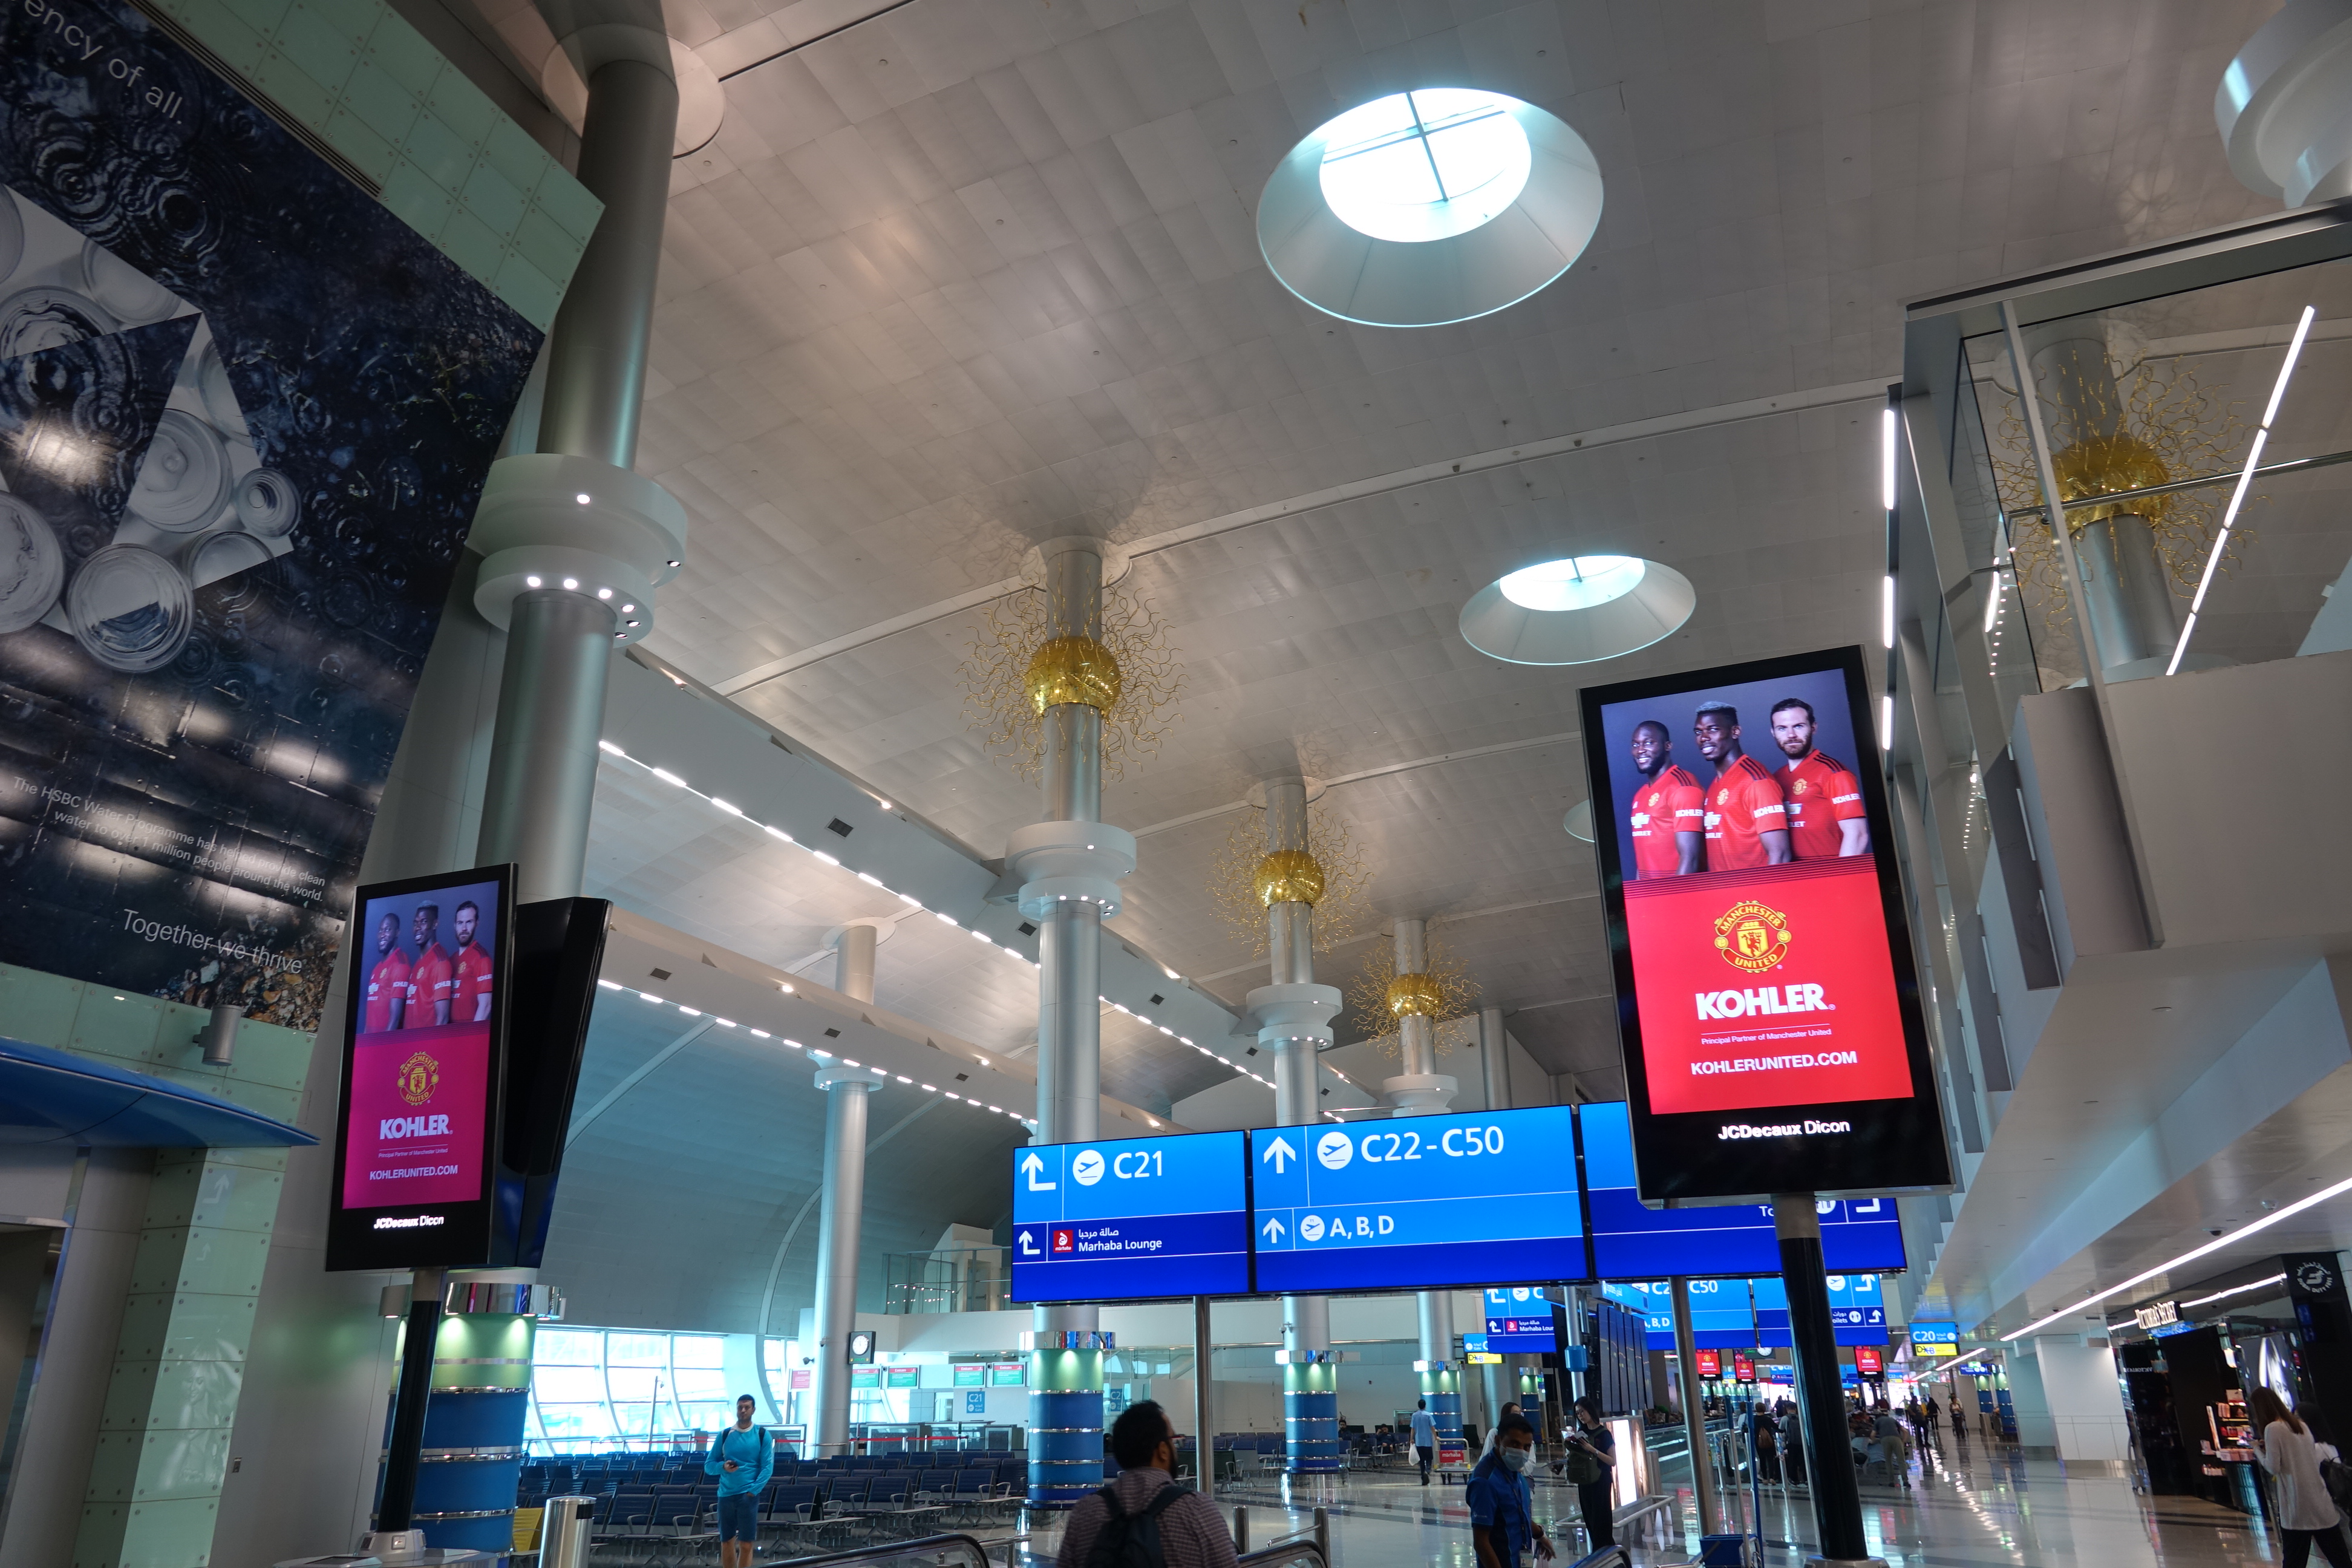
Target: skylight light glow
[[1426, 164], [1575, 583]]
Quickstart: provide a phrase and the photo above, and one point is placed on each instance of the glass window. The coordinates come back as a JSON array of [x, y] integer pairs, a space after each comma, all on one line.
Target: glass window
[[567, 1385], [568, 1347], [634, 1384], [696, 1382], [637, 1350], [697, 1349], [708, 1417], [565, 1422]]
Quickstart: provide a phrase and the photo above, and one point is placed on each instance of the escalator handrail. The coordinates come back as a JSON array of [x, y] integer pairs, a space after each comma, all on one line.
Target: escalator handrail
[[884, 1552], [1287, 1550]]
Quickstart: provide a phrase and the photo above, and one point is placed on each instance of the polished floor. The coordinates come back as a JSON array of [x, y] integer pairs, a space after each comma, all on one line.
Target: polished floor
[[1975, 1507]]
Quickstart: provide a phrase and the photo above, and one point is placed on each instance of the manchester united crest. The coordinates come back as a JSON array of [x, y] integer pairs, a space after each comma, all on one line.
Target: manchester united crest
[[419, 1076], [1752, 936]]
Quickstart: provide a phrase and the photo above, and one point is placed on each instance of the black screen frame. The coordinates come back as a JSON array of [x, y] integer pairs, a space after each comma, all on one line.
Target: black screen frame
[[463, 1238], [1898, 1145]]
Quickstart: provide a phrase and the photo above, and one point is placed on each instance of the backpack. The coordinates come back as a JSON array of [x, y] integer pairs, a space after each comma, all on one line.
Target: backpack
[[1132, 1540], [1581, 1469]]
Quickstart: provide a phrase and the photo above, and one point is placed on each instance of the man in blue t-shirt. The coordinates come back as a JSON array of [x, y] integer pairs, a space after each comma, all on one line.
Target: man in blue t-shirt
[[1424, 1437], [742, 1457], [1502, 1511]]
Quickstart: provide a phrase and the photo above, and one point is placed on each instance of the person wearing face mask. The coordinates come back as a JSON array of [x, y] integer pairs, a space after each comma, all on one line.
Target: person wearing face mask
[[1502, 1510]]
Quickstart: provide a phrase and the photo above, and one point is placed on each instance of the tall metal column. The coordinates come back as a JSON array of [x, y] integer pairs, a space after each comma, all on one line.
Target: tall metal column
[[1494, 1058], [840, 1216], [1820, 1397], [1070, 865], [574, 543], [1292, 1016], [842, 1212], [2132, 614], [1421, 1091], [1693, 1409]]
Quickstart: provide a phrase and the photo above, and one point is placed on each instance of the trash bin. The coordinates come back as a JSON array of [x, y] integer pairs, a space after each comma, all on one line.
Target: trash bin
[[563, 1532]]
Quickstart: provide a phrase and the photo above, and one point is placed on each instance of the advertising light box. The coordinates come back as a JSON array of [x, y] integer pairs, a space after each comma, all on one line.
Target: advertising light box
[[1132, 1219], [1417, 1203], [1631, 1242], [1768, 1010], [416, 1136]]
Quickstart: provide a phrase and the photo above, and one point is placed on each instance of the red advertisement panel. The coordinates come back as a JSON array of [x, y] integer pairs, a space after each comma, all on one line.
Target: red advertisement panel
[[1710, 1363], [419, 1115], [1869, 1361], [1765, 987], [1743, 1368]]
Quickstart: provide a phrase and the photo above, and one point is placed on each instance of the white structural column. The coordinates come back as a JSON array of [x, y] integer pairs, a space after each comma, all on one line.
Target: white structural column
[[1069, 865], [1293, 1017], [2067, 1402], [1421, 1091], [842, 1212]]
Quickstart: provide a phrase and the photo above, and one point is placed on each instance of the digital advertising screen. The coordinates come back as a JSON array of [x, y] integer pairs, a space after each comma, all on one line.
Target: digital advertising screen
[[1767, 1009], [1418, 1203], [416, 1140], [1132, 1218], [1631, 1241]]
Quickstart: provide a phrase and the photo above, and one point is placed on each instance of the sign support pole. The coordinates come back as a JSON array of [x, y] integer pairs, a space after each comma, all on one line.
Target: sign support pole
[[399, 1501], [1203, 1445], [1821, 1400], [1693, 1410]]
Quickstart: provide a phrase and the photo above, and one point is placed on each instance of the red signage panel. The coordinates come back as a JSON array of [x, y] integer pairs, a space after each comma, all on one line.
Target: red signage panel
[[1710, 1363]]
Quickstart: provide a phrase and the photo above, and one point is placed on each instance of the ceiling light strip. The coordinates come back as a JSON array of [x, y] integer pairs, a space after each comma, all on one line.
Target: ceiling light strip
[[2245, 481], [729, 809], [2216, 1245]]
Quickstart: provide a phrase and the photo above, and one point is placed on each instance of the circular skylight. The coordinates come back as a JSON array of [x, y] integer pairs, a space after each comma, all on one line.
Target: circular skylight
[[1428, 164], [1577, 610], [1576, 583], [1438, 204]]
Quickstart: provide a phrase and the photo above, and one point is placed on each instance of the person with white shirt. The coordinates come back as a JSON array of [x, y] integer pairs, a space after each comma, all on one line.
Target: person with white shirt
[[2305, 1512]]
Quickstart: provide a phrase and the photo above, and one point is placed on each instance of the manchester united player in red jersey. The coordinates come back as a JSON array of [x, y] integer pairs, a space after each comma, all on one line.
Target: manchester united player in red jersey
[[1747, 818], [387, 983], [1826, 816], [1668, 808], [430, 980], [471, 977]]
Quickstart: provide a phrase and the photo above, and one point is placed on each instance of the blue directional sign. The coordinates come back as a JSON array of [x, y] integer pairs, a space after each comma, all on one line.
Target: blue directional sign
[[1519, 1322], [1417, 1202], [1857, 1310], [1629, 1242], [1721, 1317], [1132, 1219]]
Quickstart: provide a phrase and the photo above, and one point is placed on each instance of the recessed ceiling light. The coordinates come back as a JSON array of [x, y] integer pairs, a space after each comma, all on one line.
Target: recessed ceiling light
[[530, 582], [1573, 582], [572, 582], [581, 497]]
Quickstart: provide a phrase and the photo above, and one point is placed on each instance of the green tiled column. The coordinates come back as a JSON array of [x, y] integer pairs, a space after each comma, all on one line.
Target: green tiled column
[[162, 1446]]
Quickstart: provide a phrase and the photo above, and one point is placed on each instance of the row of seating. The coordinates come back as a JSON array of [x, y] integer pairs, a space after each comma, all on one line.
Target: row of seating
[[835, 1508]]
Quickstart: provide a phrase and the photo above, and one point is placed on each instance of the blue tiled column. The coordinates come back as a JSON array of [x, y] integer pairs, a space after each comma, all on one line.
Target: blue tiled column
[[1310, 1416], [1066, 1426]]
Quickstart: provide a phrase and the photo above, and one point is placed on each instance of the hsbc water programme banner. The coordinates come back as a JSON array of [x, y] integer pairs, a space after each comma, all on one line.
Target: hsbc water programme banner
[[1767, 1004], [245, 417]]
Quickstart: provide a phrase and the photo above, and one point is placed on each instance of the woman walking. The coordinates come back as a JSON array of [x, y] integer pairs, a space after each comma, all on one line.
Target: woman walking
[[2305, 1512]]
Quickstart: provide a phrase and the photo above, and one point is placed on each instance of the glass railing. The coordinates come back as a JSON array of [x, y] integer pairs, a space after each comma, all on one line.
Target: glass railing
[[2200, 453], [966, 1280], [950, 1550]]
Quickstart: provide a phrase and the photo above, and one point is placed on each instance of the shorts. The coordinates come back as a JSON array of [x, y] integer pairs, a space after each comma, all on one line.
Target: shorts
[[739, 1517]]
